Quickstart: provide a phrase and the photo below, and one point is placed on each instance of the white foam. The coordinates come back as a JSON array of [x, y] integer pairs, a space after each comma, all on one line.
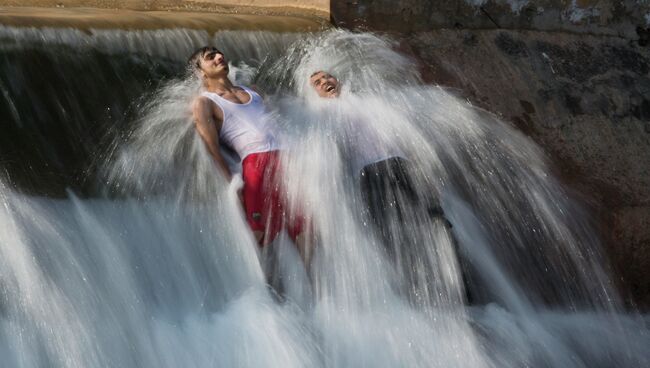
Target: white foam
[[515, 5], [167, 274], [577, 14]]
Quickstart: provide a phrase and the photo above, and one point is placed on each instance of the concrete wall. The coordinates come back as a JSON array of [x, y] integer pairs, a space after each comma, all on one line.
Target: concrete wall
[[318, 7], [607, 17], [322, 5], [294, 20]]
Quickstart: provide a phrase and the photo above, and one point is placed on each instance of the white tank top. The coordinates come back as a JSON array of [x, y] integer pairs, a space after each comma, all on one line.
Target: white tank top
[[246, 127]]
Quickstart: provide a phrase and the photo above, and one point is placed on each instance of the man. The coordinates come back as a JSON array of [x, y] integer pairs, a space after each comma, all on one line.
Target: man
[[393, 203], [386, 184], [235, 116]]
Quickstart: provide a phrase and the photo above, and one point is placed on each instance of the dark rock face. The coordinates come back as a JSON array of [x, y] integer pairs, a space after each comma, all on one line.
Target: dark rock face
[[609, 17], [644, 36], [585, 99], [510, 46], [629, 239]]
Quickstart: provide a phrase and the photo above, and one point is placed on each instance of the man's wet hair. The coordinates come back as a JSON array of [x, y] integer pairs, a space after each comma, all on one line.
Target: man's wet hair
[[194, 61], [322, 71]]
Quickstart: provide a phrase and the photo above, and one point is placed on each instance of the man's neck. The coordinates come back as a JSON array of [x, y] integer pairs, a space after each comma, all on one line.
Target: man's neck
[[218, 84]]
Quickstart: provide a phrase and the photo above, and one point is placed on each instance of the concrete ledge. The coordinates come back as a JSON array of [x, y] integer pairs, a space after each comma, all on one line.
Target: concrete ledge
[[321, 7], [87, 18], [300, 8]]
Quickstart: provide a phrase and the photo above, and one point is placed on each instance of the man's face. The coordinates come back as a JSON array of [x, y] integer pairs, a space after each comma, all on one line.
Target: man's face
[[325, 85], [213, 64]]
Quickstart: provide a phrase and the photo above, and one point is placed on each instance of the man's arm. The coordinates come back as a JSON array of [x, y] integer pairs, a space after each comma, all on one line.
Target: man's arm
[[206, 126]]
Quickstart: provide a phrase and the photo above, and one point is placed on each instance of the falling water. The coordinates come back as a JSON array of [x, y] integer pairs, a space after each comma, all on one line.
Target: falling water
[[154, 265]]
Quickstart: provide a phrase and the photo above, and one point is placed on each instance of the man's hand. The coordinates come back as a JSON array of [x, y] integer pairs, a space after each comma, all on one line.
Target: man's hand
[[237, 185]]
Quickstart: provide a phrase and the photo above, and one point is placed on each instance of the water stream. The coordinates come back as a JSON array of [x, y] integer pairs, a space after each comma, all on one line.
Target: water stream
[[122, 246]]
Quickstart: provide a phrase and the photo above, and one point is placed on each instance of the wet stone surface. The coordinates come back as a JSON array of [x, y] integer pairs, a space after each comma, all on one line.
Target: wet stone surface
[[614, 18], [584, 99]]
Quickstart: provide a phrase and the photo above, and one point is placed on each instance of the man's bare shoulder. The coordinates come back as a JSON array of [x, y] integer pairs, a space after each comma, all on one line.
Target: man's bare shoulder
[[204, 108], [201, 102]]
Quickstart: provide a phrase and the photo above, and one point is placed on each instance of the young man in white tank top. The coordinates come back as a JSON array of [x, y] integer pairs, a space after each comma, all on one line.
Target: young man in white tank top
[[236, 117]]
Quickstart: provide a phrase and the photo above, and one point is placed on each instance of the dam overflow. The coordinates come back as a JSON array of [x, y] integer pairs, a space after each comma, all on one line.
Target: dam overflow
[[121, 245]]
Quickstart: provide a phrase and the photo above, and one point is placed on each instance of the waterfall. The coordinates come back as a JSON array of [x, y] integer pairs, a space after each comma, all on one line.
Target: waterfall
[[121, 245]]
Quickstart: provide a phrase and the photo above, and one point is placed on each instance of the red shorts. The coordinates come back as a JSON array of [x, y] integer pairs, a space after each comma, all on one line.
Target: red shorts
[[265, 200]]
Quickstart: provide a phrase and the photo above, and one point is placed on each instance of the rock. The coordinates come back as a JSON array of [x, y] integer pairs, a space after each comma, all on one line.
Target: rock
[[585, 99], [629, 245], [616, 18]]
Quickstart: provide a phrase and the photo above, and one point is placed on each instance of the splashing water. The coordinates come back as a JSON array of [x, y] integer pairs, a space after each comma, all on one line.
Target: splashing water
[[161, 270]]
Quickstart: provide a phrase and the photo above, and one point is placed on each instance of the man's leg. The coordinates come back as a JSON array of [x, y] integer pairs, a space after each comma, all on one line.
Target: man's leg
[[389, 198], [305, 244], [403, 216], [427, 205], [301, 229], [259, 235], [401, 171], [254, 196]]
